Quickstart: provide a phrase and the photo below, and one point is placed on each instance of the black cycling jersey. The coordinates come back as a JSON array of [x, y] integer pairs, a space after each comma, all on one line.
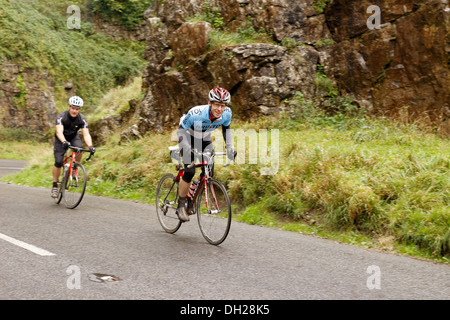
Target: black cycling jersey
[[71, 125]]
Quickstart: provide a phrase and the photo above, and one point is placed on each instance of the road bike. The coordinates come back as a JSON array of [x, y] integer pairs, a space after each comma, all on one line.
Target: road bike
[[209, 200], [73, 178]]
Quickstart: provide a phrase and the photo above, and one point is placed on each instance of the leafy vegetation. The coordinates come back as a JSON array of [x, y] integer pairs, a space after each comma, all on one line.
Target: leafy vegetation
[[117, 100], [320, 5], [129, 13], [210, 15], [92, 62], [219, 36], [324, 83]]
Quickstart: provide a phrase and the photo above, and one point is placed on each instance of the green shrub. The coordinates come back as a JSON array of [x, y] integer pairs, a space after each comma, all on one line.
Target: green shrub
[[129, 13], [320, 5], [34, 34]]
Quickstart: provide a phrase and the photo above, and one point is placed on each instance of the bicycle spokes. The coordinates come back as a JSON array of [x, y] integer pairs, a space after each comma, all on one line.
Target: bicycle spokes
[[214, 212], [170, 200], [215, 201], [74, 185], [167, 202]]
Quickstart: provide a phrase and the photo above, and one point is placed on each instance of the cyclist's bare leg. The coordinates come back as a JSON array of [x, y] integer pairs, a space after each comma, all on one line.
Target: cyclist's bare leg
[[182, 192], [184, 188], [56, 172], [78, 157]]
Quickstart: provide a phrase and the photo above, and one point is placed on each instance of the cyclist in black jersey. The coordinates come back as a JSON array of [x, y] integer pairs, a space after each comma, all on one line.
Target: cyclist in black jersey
[[67, 125]]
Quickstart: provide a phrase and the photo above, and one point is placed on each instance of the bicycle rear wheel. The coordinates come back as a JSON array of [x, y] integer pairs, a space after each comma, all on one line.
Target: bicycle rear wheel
[[214, 212], [74, 186], [167, 203]]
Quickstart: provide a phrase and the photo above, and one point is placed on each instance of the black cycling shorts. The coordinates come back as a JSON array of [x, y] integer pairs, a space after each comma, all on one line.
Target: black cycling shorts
[[58, 149]]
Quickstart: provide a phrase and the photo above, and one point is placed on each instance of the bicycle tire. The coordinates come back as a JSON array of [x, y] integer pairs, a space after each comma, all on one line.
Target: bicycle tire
[[215, 221], [74, 188], [167, 203]]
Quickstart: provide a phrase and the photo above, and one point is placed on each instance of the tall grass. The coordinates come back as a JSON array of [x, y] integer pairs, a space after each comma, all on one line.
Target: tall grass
[[220, 36], [116, 100]]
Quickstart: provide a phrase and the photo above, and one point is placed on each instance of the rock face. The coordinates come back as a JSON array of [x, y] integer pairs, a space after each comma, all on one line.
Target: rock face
[[118, 32], [260, 76], [26, 98], [27, 95], [400, 64], [403, 63]]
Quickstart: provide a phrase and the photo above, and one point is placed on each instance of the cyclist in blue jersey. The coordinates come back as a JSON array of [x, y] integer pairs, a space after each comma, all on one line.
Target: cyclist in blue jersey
[[194, 134]]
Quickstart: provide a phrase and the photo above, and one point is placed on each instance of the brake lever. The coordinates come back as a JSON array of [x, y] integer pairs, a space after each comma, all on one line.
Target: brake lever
[[90, 156]]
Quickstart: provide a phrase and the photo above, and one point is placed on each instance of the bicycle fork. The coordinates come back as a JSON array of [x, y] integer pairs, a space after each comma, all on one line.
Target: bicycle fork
[[73, 175], [214, 198]]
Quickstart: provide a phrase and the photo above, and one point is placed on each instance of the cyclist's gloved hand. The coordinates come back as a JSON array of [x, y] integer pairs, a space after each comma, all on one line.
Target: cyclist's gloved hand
[[92, 149], [231, 154], [66, 145]]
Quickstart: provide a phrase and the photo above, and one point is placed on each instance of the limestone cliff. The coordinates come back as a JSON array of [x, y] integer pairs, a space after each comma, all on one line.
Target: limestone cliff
[[43, 62], [403, 63], [26, 98], [400, 64]]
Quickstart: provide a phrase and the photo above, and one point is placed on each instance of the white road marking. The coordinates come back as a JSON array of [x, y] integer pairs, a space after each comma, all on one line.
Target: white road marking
[[27, 246]]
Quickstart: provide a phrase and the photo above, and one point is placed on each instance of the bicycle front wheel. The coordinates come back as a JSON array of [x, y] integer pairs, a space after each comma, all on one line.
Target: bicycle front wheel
[[214, 212], [167, 203], [74, 186]]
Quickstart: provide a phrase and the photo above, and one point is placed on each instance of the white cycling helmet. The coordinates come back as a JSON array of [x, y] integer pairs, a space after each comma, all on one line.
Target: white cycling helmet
[[220, 95], [76, 101]]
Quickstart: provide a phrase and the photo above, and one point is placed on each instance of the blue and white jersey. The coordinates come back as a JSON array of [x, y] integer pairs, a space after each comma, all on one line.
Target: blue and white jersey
[[197, 120]]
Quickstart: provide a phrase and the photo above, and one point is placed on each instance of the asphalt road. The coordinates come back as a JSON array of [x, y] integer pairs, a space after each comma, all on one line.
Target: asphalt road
[[72, 249], [11, 166]]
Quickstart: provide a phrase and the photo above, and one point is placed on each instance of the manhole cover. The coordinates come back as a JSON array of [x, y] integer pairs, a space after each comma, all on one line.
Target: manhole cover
[[101, 277]]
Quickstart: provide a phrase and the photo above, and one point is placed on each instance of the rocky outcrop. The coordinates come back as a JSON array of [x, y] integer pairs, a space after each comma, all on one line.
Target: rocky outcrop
[[401, 64], [26, 98], [120, 32], [260, 76], [27, 94]]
